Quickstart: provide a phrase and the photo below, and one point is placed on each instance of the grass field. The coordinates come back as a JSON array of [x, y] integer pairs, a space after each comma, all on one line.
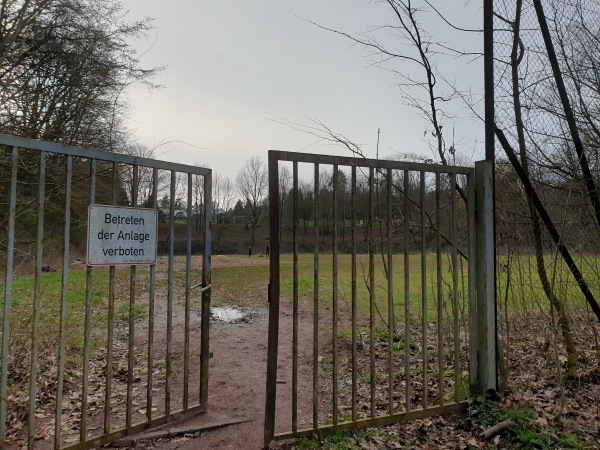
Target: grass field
[[344, 276], [243, 281]]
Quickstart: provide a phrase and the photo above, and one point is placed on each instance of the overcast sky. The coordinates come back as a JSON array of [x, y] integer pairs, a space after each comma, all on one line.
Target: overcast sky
[[236, 69]]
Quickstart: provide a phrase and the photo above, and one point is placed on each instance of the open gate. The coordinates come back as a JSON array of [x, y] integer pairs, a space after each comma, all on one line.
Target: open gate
[[389, 265], [91, 354]]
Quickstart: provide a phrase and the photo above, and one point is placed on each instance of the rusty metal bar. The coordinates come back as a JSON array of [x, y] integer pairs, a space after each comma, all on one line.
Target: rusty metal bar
[[407, 338], [295, 298], [135, 428], [473, 319], [110, 322], [315, 387], [335, 294], [390, 287], [381, 421], [372, 288], [440, 296], [366, 162], [10, 248], [486, 298], [87, 323], [354, 299], [188, 282], [151, 299], [455, 321], [37, 293], [206, 291], [63, 306], [69, 150], [274, 291], [132, 294], [169, 349], [424, 321]]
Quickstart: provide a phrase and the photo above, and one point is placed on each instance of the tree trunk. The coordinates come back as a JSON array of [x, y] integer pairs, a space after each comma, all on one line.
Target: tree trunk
[[555, 302]]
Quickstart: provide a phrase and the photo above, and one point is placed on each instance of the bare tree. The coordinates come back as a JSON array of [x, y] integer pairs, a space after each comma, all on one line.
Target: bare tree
[[64, 68], [223, 197], [252, 183]]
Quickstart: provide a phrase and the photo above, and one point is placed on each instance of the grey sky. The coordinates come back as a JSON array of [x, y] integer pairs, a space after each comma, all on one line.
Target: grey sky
[[235, 68]]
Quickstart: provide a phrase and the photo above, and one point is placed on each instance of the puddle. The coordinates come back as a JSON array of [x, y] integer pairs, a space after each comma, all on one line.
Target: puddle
[[229, 314]]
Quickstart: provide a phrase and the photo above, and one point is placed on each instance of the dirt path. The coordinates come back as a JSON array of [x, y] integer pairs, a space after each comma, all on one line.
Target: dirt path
[[236, 388]]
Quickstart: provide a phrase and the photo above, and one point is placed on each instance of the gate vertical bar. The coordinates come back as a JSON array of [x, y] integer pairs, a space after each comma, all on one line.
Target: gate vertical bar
[[295, 297], [473, 319], [33, 388], [63, 306], [353, 275], [110, 323], [87, 322], [274, 289], [407, 337], [151, 298], [169, 349], [486, 307], [188, 271], [206, 290], [455, 324], [424, 322], [132, 294], [439, 292], [12, 206], [335, 294], [372, 288], [315, 375], [390, 286]]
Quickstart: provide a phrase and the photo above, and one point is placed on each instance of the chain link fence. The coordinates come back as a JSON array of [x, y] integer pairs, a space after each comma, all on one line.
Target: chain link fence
[[546, 326]]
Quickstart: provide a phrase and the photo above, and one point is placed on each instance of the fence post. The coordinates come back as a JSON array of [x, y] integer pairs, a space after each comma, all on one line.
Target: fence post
[[485, 319]]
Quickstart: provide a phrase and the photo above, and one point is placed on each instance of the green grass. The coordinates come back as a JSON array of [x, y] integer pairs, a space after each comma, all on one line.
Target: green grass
[[523, 284], [50, 311], [337, 440], [344, 280]]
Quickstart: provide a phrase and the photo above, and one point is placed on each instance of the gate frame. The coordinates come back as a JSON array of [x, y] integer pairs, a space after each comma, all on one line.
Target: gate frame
[[482, 282], [44, 147]]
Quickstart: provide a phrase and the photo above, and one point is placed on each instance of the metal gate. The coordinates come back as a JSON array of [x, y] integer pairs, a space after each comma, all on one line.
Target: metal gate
[[387, 271], [93, 354]]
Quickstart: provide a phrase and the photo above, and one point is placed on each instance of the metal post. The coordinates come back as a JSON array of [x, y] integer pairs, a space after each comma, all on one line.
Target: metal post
[[273, 338], [87, 323], [424, 321], [486, 301], [335, 305], [473, 364], [63, 307], [12, 207], [188, 283], [33, 388], [170, 276], [390, 287], [110, 321], [151, 298], [407, 337], [132, 295], [315, 387], [295, 299], [354, 300], [372, 309], [206, 290]]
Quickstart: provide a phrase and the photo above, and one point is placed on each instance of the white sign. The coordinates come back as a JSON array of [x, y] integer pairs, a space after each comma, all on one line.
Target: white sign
[[121, 235]]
